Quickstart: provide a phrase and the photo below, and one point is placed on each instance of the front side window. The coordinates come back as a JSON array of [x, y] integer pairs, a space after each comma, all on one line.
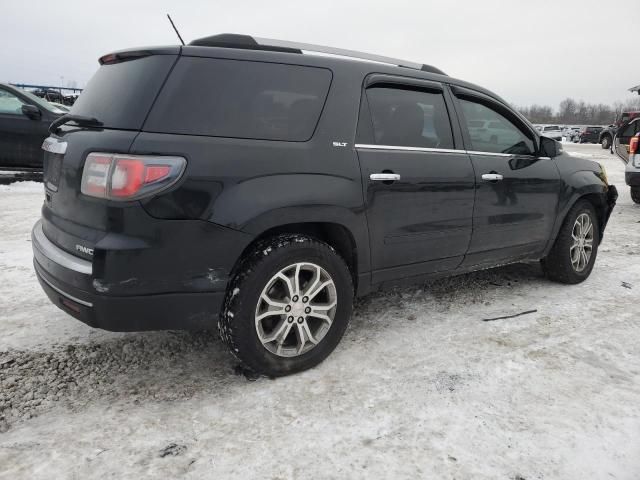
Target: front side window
[[499, 134], [409, 118], [9, 103]]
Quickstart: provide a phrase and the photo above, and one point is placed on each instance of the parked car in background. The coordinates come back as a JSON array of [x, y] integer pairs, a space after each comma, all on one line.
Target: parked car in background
[[608, 133], [258, 185], [55, 96], [606, 136], [588, 135], [24, 124], [626, 147], [571, 132], [551, 131]]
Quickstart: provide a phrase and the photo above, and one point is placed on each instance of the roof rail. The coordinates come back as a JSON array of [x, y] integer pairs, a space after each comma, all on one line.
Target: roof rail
[[231, 40]]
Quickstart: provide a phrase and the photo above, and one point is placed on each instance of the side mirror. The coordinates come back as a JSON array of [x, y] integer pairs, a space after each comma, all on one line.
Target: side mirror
[[32, 112], [550, 148]]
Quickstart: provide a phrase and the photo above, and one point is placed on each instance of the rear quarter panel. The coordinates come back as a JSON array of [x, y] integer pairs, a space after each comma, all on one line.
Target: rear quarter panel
[[255, 185]]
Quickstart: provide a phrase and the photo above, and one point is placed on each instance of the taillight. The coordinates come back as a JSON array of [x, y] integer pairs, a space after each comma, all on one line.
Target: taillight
[[633, 145], [129, 177]]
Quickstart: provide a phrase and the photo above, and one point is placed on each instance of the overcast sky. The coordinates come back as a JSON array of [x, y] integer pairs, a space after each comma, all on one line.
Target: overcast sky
[[528, 52]]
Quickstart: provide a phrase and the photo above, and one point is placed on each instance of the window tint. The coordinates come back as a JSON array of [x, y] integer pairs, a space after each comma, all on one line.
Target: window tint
[[409, 118], [499, 135], [120, 94], [9, 103], [241, 99]]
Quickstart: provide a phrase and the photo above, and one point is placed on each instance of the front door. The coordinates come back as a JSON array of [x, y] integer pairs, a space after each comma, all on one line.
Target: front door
[[517, 191], [418, 181], [20, 137]]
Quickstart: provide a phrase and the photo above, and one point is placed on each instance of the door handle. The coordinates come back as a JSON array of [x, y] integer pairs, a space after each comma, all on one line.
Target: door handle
[[492, 177], [384, 177]]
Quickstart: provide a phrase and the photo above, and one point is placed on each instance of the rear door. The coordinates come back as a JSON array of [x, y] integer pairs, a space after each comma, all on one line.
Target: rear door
[[417, 178], [517, 192], [623, 138]]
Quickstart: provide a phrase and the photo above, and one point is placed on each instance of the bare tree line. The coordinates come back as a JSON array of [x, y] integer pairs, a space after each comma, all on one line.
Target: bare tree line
[[578, 112]]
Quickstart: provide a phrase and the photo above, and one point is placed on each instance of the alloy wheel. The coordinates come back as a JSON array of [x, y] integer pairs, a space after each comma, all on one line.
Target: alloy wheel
[[296, 309], [582, 246]]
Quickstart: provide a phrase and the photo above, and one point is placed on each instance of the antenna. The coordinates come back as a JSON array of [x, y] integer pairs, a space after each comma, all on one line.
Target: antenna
[[176, 30]]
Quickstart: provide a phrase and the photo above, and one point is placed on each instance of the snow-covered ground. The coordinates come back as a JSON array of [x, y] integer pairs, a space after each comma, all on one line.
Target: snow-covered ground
[[420, 386]]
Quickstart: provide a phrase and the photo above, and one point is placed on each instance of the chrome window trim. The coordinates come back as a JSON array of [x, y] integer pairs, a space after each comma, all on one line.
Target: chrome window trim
[[53, 145], [50, 251], [496, 154], [65, 294], [367, 146]]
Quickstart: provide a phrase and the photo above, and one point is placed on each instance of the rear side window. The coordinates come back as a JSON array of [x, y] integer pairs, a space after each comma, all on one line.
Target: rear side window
[[241, 99], [409, 118], [120, 95]]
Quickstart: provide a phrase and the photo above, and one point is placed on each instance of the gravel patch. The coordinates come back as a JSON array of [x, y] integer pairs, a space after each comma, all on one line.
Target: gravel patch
[[72, 376]]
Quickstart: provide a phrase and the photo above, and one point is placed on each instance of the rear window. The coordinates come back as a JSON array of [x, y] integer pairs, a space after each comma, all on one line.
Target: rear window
[[120, 95], [241, 99]]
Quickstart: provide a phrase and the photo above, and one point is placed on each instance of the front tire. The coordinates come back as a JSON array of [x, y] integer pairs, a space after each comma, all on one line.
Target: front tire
[[287, 306], [606, 142], [635, 194], [574, 253]]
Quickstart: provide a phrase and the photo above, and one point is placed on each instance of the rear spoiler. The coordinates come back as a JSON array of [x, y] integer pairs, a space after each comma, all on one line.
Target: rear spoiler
[[133, 54]]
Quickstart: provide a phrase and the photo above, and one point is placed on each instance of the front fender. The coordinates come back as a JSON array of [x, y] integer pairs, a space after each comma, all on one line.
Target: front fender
[[578, 185]]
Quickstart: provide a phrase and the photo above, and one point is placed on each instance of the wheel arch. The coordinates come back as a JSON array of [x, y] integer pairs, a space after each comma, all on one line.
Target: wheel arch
[[597, 198], [334, 234]]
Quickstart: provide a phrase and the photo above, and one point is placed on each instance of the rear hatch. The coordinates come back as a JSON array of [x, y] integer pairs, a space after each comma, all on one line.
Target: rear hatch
[[119, 96]]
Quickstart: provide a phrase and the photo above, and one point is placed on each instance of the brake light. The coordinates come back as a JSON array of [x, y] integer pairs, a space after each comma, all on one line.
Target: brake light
[[633, 145], [129, 177]]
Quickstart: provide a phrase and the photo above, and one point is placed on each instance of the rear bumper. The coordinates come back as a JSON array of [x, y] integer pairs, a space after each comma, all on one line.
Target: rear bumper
[[171, 311], [69, 283]]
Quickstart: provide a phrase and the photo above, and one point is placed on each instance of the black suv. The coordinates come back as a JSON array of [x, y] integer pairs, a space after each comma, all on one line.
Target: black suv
[[261, 185]]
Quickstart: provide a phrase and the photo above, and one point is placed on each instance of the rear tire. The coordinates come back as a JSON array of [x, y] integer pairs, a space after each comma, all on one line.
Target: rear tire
[[574, 253], [269, 317], [635, 194]]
